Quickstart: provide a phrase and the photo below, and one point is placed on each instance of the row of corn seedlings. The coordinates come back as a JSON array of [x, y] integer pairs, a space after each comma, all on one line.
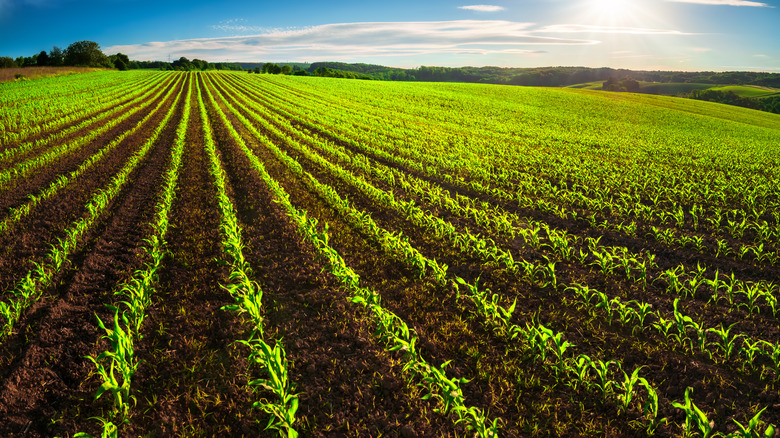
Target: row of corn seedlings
[[117, 365], [391, 329], [272, 360], [720, 343]]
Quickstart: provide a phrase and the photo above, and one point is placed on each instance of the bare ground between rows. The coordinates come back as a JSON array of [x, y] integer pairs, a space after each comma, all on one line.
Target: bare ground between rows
[[28, 241], [411, 300], [48, 385], [349, 386], [192, 378]]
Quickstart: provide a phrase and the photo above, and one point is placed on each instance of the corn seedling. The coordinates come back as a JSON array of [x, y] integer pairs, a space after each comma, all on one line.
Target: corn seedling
[[694, 417], [628, 387]]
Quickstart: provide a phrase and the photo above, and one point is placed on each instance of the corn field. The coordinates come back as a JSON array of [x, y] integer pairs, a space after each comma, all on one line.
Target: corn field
[[224, 254]]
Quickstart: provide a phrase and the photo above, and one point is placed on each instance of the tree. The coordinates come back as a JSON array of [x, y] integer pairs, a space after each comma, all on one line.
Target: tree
[[286, 70], [56, 57], [7, 62], [272, 68], [43, 59], [120, 61], [200, 64], [86, 53], [182, 64]]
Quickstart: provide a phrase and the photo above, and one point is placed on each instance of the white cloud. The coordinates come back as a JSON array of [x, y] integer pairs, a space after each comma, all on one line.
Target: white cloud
[[239, 25], [585, 28], [352, 41], [725, 3], [482, 8], [238, 28]]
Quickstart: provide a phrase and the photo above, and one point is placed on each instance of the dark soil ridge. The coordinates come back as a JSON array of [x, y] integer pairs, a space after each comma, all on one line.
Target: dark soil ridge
[[345, 378], [47, 383], [404, 298], [25, 242], [192, 379]]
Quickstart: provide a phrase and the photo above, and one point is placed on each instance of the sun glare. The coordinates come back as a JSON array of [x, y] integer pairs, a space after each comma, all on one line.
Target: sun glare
[[613, 12]]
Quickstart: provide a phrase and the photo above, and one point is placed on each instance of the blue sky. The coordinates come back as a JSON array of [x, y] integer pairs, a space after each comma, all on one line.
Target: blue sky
[[715, 35]]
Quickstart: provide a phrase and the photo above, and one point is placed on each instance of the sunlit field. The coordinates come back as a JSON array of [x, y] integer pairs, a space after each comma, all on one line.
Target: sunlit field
[[227, 254]]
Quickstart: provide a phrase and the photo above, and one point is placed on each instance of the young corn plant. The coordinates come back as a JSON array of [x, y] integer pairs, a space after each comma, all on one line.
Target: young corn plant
[[772, 351], [650, 410], [726, 342], [121, 358], [753, 428], [628, 386], [273, 361], [695, 418], [750, 350], [579, 370], [752, 292], [603, 382]]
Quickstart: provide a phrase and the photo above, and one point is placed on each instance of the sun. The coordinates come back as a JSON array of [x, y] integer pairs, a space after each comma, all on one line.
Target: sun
[[613, 12]]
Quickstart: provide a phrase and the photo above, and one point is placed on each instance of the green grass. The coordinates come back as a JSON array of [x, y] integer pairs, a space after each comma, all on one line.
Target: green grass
[[749, 90], [595, 85], [679, 88]]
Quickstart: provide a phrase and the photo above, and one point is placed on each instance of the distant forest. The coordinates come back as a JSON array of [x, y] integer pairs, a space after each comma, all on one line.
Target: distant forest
[[548, 76], [88, 54]]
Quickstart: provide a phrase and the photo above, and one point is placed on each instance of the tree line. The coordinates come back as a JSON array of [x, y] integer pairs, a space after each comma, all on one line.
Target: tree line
[[770, 103], [313, 70], [89, 54]]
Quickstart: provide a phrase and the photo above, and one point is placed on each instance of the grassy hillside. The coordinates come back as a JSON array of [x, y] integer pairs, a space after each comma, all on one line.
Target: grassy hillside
[[749, 90]]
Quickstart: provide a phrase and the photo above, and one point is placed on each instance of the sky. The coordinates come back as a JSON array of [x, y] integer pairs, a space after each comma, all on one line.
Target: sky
[[687, 35]]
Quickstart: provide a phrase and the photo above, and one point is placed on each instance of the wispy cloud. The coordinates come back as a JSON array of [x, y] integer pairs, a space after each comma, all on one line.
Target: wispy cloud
[[239, 25], [725, 3], [585, 28], [482, 8], [353, 41]]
